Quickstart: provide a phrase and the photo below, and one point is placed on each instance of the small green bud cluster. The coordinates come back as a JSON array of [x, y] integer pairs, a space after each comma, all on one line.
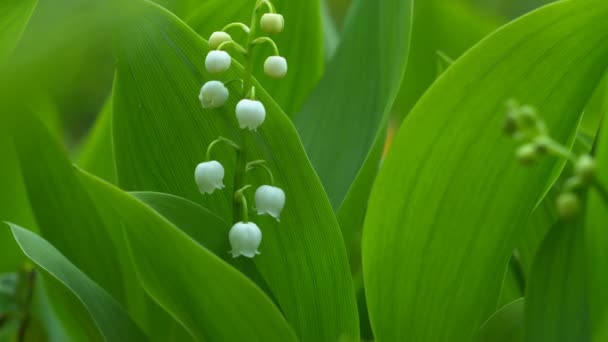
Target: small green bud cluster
[[250, 113], [524, 125]]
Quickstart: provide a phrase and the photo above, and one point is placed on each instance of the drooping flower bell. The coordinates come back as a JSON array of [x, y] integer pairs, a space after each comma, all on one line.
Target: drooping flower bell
[[214, 94], [217, 38], [269, 200], [209, 176], [275, 66], [217, 61], [245, 238], [272, 23], [250, 114]]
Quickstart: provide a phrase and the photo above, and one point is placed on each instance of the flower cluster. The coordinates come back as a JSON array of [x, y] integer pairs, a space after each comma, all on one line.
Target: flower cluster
[[525, 126], [250, 113], [244, 236]]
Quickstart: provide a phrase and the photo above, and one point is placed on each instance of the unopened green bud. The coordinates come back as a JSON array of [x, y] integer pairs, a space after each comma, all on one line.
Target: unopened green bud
[[585, 168], [567, 205], [527, 154]]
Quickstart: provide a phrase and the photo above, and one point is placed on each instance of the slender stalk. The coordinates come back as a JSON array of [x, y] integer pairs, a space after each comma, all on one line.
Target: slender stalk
[[239, 197], [236, 45], [219, 140], [25, 321], [262, 40], [260, 164], [242, 26]]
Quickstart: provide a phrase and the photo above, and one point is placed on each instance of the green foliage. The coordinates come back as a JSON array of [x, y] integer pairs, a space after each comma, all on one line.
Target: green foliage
[[109, 321], [175, 121], [433, 234], [449, 199]]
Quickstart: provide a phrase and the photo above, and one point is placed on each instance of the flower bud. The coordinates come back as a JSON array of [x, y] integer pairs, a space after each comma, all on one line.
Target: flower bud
[[567, 205], [250, 114], [213, 94], [217, 61], [245, 238], [275, 66], [272, 23], [585, 168], [217, 38], [526, 154], [269, 200], [209, 176]]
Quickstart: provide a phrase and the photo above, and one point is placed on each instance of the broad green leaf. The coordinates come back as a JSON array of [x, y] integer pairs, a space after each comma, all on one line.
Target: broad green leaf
[[69, 220], [441, 26], [62, 207], [97, 155], [187, 216], [505, 325], [349, 107], [300, 43], [450, 199], [557, 302], [596, 242], [198, 223], [513, 285], [112, 322], [161, 133], [211, 299], [14, 16]]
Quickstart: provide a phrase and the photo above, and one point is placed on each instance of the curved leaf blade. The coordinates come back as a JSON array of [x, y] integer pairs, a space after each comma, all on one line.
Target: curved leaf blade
[[205, 294], [113, 322], [356, 93], [303, 258], [557, 306], [450, 148]]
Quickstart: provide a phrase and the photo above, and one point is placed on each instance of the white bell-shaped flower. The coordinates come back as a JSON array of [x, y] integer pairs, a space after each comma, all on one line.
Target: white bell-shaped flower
[[217, 38], [217, 61], [272, 23], [214, 94], [275, 66], [245, 238], [250, 114], [209, 176], [269, 200]]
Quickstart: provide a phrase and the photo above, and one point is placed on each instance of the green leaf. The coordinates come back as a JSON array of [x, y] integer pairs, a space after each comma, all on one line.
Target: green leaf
[[557, 306], [110, 319], [14, 16], [349, 107], [211, 299], [161, 133], [596, 242], [63, 207], [450, 148], [505, 325], [300, 43], [96, 155], [189, 217], [441, 26]]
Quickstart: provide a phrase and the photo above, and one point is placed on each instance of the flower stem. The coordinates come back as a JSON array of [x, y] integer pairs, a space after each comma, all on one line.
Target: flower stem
[[224, 140], [266, 3], [234, 80], [239, 197], [236, 45], [262, 40], [242, 26], [260, 164]]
